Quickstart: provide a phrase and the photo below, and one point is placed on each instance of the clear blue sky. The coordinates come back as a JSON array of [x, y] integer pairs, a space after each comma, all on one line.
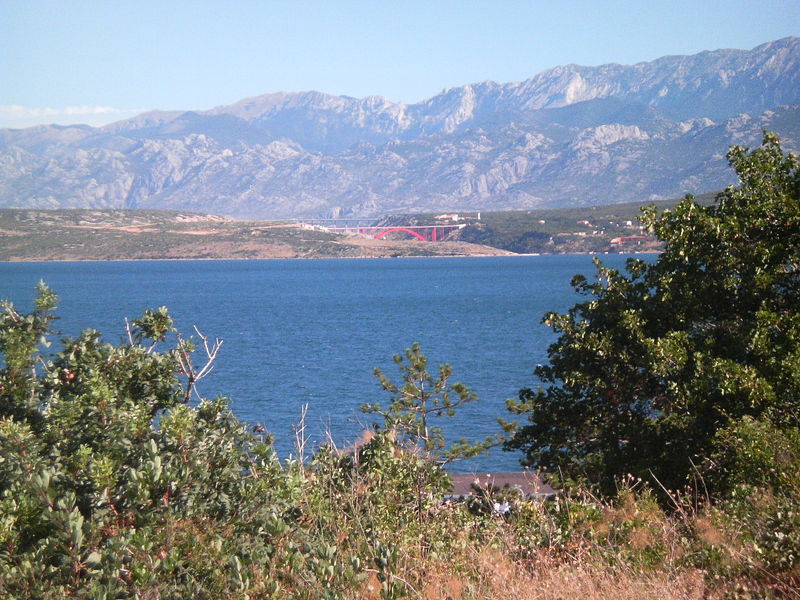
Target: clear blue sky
[[97, 61]]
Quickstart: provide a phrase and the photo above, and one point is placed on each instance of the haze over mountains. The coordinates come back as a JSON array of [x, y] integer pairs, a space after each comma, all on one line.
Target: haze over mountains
[[569, 136]]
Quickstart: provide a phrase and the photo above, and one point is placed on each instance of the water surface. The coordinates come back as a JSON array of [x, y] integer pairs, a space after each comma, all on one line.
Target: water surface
[[311, 332]]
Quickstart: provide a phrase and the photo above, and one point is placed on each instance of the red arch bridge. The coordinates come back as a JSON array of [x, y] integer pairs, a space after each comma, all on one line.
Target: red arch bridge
[[425, 233]]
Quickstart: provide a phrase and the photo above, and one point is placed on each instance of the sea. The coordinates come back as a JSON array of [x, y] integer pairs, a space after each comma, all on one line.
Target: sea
[[303, 337]]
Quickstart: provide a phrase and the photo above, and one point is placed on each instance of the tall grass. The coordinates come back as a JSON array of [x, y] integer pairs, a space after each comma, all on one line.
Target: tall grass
[[386, 514]]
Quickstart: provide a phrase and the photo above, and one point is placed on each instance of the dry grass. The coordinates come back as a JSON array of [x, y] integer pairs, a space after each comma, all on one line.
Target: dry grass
[[595, 583], [634, 550], [501, 578]]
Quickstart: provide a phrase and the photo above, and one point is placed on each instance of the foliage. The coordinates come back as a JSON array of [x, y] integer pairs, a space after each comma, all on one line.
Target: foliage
[[657, 361], [758, 464], [20, 336], [420, 398], [113, 486]]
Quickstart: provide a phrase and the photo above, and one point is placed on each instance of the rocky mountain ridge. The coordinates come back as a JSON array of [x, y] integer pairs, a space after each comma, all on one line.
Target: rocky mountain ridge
[[569, 136]]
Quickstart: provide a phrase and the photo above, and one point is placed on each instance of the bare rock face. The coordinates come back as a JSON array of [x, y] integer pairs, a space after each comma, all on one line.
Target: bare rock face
[[569, 136]]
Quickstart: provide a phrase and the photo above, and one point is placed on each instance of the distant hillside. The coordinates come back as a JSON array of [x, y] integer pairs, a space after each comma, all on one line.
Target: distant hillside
[[569, 136], [29, 235], [586, 229], [79, 234]]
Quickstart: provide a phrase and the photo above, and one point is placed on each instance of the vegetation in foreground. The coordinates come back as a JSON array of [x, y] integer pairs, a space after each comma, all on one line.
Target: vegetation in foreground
[[112, 485], [661, 364]]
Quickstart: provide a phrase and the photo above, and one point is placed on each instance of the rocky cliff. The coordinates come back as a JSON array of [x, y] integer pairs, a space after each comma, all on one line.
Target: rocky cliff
[[569, 136]]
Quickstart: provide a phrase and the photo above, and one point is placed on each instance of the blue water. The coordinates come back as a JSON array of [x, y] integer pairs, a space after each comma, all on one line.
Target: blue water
[[311, 332]]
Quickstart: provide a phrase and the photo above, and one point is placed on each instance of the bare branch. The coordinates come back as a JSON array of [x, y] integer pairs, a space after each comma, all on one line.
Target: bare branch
[[193, 373], [211, 354], [300, 439], [128, 331]]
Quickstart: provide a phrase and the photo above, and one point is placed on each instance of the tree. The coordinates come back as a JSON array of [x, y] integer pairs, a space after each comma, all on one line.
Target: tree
[[661, 358], [20, 337], [420, 398], [113, 486]]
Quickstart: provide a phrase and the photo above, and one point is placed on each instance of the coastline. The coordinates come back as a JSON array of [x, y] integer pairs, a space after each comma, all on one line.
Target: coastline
[[29, 236], [304, 258]]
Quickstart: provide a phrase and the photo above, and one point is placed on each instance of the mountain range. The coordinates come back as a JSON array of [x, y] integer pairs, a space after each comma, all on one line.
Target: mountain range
[[569, 136]]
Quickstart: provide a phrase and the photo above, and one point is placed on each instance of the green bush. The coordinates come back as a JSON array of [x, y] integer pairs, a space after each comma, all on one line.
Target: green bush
[[111, 486], [758, 465], [659, 359]]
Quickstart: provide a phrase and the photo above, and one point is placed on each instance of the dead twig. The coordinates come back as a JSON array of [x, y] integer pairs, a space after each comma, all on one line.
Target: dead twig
[[193, 373]]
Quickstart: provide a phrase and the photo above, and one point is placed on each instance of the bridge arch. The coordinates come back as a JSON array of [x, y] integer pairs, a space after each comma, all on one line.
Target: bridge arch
[[409, 231]]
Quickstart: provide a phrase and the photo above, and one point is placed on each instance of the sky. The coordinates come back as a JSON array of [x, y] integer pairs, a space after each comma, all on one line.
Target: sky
[[94, 62]]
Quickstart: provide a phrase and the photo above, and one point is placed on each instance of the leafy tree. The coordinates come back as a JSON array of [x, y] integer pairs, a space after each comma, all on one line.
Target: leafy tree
[[20, 337], [660, 358], [112, 486], [420, 398]]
